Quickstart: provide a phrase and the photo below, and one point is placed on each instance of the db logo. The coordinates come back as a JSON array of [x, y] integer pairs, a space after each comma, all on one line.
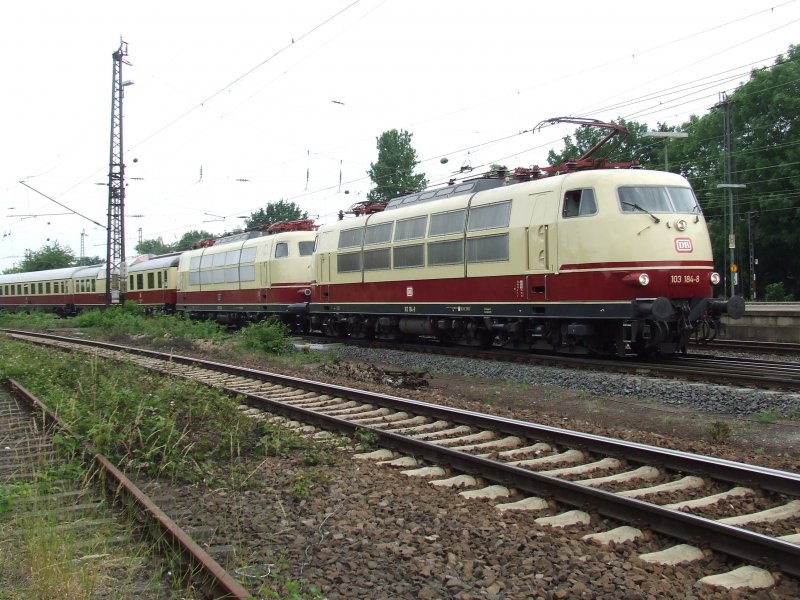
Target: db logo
[[683, 245]]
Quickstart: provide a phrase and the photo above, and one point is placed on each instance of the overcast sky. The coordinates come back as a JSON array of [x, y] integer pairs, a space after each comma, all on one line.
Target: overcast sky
[[240, 103]]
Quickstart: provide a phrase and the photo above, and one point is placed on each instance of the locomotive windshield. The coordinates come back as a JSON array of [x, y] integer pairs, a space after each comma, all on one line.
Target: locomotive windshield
[[657, 199]]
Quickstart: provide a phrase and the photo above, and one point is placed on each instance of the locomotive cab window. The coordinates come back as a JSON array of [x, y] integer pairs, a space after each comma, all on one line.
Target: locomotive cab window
[[579, 203], [306, 248], [645, 199], [281, 250]]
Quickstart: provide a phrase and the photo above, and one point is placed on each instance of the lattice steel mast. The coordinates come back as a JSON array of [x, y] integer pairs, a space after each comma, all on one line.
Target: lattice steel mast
[[115, 256]]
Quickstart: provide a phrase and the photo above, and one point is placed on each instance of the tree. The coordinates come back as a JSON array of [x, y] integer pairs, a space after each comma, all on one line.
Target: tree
[[190, 238], [275, 212], [153, 247], [634, 146], [393, 172], [85, 261], [52, 256]]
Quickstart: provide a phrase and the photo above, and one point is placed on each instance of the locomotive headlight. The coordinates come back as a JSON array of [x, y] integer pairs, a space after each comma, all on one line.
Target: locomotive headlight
[[714, 278], [636, 279], [680, 225]]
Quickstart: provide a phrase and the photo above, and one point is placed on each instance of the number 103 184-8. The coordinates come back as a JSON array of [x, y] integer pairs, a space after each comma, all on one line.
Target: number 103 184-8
[[683, 279]]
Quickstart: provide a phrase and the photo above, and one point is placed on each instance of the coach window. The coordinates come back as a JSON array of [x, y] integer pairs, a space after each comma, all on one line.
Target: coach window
[[40, 288], [579, 203], [378, 234], [410, 229], [409, 256], [446, 223], [350, 238], [151, 280], [248, 256], [306, 248], [140, 281], [281, 250], [231, 257], [19, 289], [130, 283], [159, 280], [490, 216], [375, 260], [47, 287], [94, 285], [347, 263], [490, 248], [445, 253]]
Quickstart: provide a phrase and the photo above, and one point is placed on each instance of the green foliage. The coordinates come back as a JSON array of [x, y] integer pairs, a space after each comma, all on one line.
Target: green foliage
[[35, 320], [142, 421], [275, 212], [393, 173], [129, 319], [52, 256], [156, 246], [366, 437], [766, 417], [190, 238], [268, 337], [776, 293], [719, 432]]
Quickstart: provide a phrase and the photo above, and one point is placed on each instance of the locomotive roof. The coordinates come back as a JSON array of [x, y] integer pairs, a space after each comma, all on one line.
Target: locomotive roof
[[465, 187], [163, 261]]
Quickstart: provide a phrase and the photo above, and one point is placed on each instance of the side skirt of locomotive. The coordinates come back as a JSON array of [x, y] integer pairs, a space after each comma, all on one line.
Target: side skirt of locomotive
[[644, 326]]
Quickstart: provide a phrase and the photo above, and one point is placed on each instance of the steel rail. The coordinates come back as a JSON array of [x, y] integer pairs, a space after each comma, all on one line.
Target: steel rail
[[215, 581], [731, 540]]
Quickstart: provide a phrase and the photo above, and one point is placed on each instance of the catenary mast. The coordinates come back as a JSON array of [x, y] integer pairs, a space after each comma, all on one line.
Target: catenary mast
[[115, 254]]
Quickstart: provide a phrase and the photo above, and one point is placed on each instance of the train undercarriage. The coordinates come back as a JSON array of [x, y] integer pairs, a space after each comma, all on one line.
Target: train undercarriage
[[655, 327]]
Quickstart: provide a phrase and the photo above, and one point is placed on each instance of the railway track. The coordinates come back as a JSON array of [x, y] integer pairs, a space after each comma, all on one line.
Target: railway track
[[746, 512], [705, 368], [96, 522]]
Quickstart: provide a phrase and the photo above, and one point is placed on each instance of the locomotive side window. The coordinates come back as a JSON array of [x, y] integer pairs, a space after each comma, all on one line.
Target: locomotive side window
[[378, 234], [350, 238], [447, 222], [306, 248], [194, 264], [206, 261], [219, 260], [248, 255], [347, 263], [232, 275], [377, 259], [247, 273], [281, 250], [445, 253], [232, 257], [409, 256], [490, 248], [579, 203], [410, 229], [194, 278], [490, 216]]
